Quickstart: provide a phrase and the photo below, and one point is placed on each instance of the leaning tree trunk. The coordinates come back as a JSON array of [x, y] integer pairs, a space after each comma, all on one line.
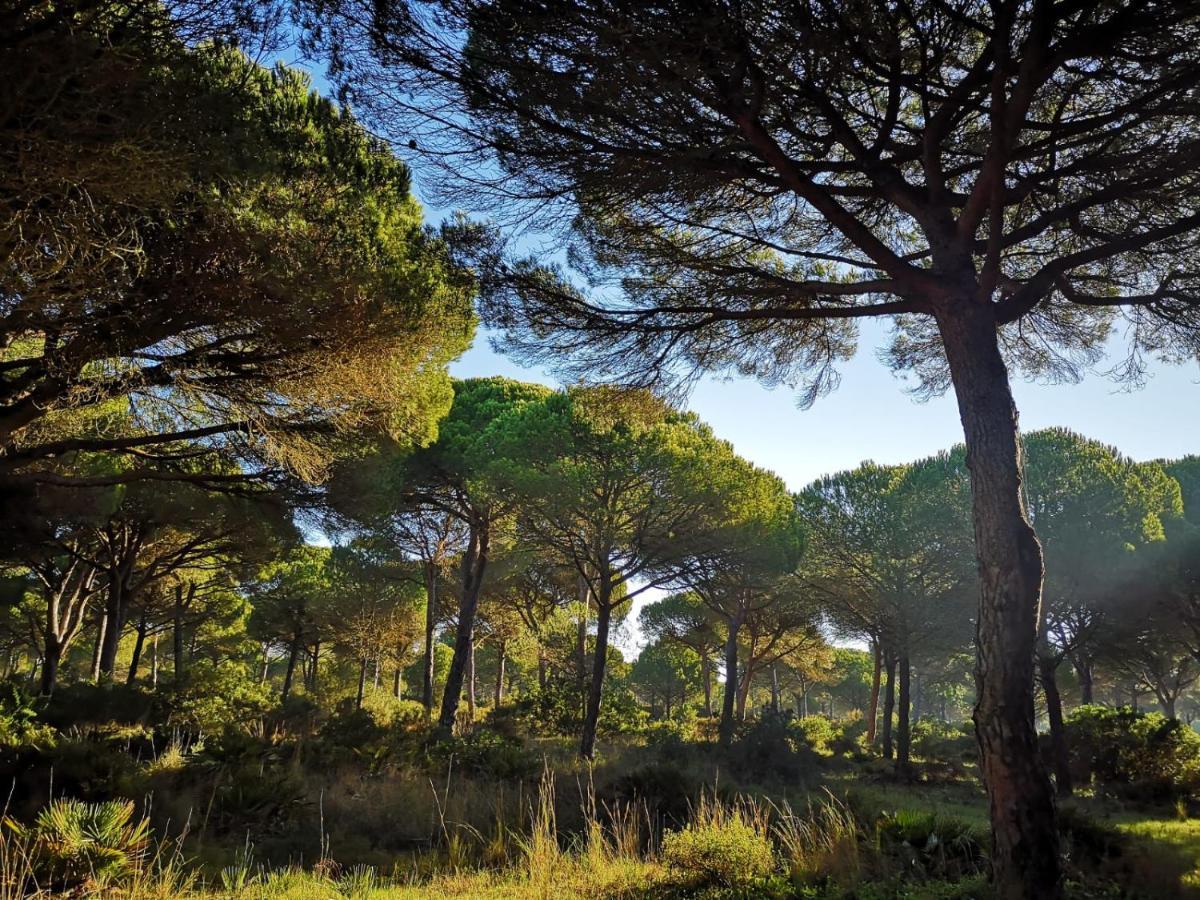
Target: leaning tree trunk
[[101, 630], [1048, 670], [889, 706], [474, 565], [135, 661], [431, 594], [1024, 857], [873, 705], [587, 745], [729, 698], [903, 731]]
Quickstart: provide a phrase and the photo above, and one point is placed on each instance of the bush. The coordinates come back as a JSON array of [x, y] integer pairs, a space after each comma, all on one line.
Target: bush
[[74, 844], [816, 731], [943, 742], [724, 845], [936, 846], [19, 725], [214, 696], [665, 790], [487, 753], [1140, 755], [771, 750]]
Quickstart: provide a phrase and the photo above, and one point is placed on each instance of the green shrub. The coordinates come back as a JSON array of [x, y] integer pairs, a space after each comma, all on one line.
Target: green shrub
[[724, 845], [666, 790], [770, 751], [19, 725], [214, 696], [73, 844], [944, 742], [816, 731], [1139, 755], [484, 752]]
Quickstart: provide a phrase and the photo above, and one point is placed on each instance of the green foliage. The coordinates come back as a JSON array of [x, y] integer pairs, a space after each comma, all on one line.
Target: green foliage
[[216, 695], [724, 846], [1139, 755], [485, 753], [932, 845], [945, 742], [19, 725], [75, 844]]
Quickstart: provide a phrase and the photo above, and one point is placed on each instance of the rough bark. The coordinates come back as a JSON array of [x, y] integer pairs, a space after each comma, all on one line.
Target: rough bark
[[474, 565], [1048, 670], [115, 609], [1025, 861]]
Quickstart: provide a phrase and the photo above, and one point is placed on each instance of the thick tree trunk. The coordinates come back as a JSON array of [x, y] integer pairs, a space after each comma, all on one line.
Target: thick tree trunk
[[903, 731], [1168, 707], [135, 661], [889, 706], [50, 663], [1048, 670], [293, 655], [115, 615], [431, 595], [474, 565], [587, 745], [873, 705], [729, 699], [1025, 861]]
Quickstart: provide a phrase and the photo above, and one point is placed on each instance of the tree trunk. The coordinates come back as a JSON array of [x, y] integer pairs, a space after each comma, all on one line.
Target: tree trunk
[[706, 675], [362, 682], [1168, 707], [398, 683], [889, 706], [431, 587], [293, 655], [177, 636], [1048, 669], [154, 661], [743, 692], [101, 628], [587, 746], [136, 660], [315, 671], [728, 700], [775, 688], [541, 668], [1084, 669], [499, 675], [474, 566], [116, 608], [471, 680], [50, 663], [581, 634], [903, 731], [873, 705], [1024, 855]]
